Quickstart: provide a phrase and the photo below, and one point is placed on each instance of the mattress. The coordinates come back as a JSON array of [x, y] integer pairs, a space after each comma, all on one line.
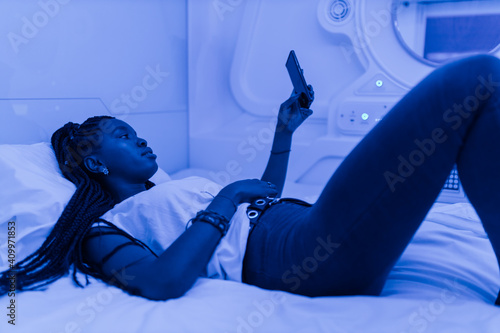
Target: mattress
[[446, 281]]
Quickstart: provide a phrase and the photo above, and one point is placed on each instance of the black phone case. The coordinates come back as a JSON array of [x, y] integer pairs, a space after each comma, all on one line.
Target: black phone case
[[298, 80]]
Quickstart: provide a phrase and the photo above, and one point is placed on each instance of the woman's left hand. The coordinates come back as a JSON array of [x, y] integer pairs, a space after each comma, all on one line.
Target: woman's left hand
[[291, 115]]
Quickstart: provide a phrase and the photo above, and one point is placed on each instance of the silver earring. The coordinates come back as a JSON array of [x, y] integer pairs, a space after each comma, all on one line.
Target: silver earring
[[105, 171]]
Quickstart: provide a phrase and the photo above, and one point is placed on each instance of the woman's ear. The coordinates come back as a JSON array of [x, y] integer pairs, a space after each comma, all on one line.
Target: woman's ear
[[93, 164]]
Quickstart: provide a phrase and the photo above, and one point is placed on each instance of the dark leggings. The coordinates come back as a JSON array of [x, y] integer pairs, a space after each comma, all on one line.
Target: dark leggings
[[349, 240]]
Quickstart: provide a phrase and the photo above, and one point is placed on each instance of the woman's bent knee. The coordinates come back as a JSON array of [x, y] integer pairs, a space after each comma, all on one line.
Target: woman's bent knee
[[483, 65]]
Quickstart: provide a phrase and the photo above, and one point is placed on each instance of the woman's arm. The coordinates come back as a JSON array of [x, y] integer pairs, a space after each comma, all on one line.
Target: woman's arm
[[138, 271], [175, 270], [277, 164], [290, 117]]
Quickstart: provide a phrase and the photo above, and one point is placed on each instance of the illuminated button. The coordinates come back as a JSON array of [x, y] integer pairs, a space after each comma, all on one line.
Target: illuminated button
[[364, 116], [379, 83]]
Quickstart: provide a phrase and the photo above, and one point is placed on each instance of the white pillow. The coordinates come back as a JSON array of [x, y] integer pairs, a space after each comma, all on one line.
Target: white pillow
[[33, 194]]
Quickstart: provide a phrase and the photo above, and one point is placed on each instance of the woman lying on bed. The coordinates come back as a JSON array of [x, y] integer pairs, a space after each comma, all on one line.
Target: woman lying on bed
[[155, 241]]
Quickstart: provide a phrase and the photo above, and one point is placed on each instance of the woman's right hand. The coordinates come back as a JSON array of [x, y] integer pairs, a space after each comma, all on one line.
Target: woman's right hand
[[248, 190]]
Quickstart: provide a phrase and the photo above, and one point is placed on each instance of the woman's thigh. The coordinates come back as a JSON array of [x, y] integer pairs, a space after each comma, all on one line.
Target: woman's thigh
[[348, 242]]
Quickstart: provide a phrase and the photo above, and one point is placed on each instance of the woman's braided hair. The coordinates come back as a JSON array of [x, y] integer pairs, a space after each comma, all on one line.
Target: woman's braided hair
[[62, 248]]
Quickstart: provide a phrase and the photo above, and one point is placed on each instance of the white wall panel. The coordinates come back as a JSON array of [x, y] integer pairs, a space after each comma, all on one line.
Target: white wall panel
[[350, 53], [80, 58]]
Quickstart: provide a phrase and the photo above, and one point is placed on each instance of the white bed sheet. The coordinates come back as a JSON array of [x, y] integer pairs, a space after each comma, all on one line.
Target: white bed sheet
[[446, 281]]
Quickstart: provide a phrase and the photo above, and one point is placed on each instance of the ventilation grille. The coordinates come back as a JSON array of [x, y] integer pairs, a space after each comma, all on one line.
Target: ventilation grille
[[340, 10]]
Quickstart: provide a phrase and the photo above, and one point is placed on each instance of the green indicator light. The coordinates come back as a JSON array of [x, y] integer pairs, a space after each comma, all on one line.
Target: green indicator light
[[364, 116]]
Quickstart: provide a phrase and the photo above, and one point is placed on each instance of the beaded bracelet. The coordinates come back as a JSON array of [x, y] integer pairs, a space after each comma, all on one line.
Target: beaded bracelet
[[217, 220]]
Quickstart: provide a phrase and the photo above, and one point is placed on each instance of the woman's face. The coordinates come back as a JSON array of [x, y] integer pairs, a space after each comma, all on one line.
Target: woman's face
[[126, 156]]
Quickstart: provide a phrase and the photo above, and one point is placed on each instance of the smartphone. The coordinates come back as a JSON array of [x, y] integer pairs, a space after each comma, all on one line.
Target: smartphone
[[298, 81]]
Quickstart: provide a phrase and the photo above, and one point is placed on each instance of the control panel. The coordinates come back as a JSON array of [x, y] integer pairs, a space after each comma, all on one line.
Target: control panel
[[452, 191], [358, 118]]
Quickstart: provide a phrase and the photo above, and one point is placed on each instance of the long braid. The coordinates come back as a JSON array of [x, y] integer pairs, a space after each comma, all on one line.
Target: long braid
[[62, 248]]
